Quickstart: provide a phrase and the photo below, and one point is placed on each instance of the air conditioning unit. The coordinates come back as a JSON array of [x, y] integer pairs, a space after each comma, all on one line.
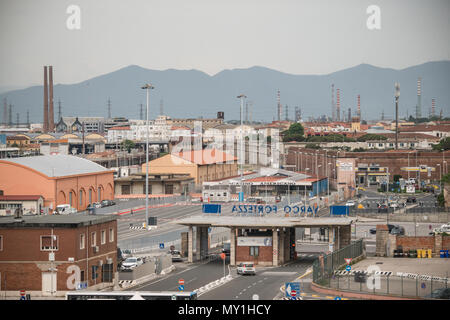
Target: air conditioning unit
[[96, 249], [109, 260]]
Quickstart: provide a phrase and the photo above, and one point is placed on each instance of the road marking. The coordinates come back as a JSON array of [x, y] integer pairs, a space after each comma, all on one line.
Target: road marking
[[279, 273]]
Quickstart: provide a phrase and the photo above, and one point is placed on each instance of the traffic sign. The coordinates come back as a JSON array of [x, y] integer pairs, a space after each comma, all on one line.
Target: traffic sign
[[348, 260], [348, 268], [22, 292], [22, 298], [174, 297], [181, 288], [292, 289], [338, 298], [181, 282], [423, 285], [161, 245], [223, 256]]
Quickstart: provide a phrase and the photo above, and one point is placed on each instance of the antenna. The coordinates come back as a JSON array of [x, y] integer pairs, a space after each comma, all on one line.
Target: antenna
[[59, 110], [109, 108]]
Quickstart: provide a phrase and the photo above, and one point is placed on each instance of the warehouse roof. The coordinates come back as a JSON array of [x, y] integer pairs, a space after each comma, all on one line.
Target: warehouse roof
[[262, 222], [60, 221], [58, 165]]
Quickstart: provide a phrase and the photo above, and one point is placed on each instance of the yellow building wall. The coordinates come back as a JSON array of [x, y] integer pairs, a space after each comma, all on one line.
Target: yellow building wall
[[172, 164]]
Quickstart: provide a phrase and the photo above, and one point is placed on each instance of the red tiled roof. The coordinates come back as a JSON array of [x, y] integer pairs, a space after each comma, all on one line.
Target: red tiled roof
[[119, 128]]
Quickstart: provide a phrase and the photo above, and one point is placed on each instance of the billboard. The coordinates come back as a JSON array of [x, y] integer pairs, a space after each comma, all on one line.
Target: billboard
[[254, 241]]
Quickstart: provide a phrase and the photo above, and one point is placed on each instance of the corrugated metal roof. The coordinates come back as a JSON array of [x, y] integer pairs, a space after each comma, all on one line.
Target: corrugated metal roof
[[58, 165]]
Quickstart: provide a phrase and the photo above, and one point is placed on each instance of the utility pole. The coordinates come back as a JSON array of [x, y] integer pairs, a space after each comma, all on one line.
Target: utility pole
[[147, 87], [397, 95], [242, 97]]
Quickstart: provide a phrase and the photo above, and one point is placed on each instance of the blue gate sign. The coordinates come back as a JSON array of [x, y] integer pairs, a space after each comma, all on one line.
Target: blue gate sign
[[211, 208], [290, 287], [339, 210], [348, 268], [161, 245]]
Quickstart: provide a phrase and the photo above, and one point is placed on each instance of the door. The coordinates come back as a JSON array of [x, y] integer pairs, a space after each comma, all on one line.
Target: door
[[48, 283]]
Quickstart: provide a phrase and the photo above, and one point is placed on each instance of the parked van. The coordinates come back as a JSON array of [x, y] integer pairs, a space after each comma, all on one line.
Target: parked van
[[65, 209]]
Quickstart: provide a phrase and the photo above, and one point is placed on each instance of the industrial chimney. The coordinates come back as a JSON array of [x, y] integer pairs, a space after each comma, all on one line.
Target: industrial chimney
[[45, 124], [51, 116]]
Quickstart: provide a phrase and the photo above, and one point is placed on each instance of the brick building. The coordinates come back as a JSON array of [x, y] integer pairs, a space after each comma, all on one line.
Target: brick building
[[302, 158], [84, 243]]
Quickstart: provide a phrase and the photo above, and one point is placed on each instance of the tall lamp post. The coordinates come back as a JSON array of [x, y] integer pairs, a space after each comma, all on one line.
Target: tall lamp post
[[397, 95], [242, 97], [147, 87]]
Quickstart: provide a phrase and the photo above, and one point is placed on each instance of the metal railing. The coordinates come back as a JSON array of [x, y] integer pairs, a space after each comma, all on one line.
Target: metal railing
[[325, 265], [386, 283]]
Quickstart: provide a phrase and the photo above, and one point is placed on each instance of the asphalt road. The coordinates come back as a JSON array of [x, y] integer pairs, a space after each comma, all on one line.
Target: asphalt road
[[266, 283]]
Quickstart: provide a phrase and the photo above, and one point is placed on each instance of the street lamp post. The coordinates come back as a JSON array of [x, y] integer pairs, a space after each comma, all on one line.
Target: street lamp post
[[147, 87], [306, 169], [242, 97], [397, 95]]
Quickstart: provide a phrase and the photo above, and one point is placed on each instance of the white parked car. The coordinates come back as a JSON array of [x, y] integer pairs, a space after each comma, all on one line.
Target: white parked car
[[131, 263], [246, 268], [350, 203]]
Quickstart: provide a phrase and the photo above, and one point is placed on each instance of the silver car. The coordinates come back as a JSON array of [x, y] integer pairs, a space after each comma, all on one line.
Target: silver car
[[246, 268]]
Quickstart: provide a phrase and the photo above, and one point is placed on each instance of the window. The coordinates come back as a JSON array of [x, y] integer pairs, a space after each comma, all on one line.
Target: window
[[94, 272], [169, 189], [82, 241], [93, 239], [99, 194], [125, 189], [90, 196], [254, 251], [81, 197], [70, 197], [1, 243], [46, 243], [82, 276], [111, 235], [103, 237]]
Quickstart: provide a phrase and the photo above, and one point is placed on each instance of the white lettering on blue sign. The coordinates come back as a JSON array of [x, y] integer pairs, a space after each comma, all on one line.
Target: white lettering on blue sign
[[264, 210]]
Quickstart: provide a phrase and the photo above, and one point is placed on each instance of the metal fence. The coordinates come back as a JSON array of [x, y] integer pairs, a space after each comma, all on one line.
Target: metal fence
[[325, 265], [386, 283]]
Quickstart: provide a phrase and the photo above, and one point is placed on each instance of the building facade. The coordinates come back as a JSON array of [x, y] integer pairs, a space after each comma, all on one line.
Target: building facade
[[50, 255]]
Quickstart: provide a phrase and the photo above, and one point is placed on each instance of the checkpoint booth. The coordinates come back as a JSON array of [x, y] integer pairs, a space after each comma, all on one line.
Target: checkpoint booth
[[265, 241]]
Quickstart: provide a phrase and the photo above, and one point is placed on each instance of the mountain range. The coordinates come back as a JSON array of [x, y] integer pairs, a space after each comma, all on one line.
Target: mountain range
[[192, 93]]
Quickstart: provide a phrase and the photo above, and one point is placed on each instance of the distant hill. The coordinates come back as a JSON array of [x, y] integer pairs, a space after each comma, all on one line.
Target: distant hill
[[192, 93]]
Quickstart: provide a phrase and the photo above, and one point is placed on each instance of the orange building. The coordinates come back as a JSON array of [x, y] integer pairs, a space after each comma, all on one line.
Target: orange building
[[59, 179]]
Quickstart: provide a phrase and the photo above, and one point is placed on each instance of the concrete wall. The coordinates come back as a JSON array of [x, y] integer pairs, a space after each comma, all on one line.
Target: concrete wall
[[138, 272]]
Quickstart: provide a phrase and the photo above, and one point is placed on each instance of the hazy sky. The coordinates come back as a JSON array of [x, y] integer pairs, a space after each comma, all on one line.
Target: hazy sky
[[293, 36]]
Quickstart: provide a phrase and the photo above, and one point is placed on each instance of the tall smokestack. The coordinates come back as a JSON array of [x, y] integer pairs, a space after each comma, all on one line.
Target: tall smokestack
[[433, 107], [45, 124], [279, 108], [5, 112], [419, 98], [358, 112], [51, 116], [333, 109], [338, 105]]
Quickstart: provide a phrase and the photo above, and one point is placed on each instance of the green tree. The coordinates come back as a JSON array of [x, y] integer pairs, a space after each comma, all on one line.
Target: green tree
[[128, 145], [369, 136], [443, 145], [294, 133]]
